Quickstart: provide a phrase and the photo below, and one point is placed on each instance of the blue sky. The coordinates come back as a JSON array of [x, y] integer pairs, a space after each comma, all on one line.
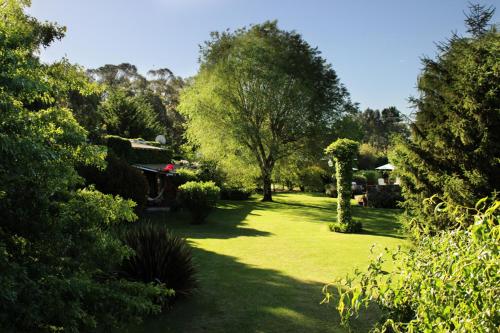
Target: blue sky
[[375, 46]]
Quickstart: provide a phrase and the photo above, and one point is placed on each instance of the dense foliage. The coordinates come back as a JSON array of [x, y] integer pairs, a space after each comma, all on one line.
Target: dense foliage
[[263, 93], [119, 178], [130, 116], [446, 283], [235, 193], [453, 150], [380, 126], [54, 275], [387, 196], [134, 105], [159, 257], [343, 151], [184, 175], [370, 157], [122, 147], [312, 178], [199, 198]]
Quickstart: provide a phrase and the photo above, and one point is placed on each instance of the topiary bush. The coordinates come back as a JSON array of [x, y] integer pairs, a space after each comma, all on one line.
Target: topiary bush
[[343, 152], [387, 196], [199, 198], [447, 282], [158, 257]]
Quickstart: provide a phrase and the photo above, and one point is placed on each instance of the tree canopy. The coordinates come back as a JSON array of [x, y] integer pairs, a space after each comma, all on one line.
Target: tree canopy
[[260, 94], [136, 105]]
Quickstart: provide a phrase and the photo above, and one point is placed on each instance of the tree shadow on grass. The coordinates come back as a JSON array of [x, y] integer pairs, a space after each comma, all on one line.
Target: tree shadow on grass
[[376, 221], [224, 222], [379, 221], [236, 297]]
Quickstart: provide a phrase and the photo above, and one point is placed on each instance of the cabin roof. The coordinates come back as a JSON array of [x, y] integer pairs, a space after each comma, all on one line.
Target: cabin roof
[[156, 168]]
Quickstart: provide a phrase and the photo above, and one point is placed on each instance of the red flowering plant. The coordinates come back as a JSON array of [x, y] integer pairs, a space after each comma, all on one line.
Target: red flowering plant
[[170, 167]]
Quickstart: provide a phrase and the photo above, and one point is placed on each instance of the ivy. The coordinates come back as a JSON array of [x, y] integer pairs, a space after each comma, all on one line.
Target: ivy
[[343, 152]]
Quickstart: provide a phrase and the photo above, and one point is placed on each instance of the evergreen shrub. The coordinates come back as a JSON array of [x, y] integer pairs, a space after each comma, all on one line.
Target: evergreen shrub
[[199, 198]]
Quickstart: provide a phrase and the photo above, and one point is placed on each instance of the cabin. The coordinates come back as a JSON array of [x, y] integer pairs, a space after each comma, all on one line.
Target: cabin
[[155, 163]]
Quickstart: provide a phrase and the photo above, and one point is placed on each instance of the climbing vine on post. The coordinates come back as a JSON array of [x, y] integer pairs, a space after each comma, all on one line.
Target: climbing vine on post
[[344, 151]]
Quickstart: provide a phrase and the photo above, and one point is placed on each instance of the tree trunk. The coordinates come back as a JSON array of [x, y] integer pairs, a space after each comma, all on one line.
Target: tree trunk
[[268, 194]]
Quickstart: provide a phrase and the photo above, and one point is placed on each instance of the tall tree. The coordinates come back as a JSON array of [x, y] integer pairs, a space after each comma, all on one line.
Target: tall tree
[[454, 149], [130, 116], [166, 87], [157, 92], [262, 92], [380, 126]]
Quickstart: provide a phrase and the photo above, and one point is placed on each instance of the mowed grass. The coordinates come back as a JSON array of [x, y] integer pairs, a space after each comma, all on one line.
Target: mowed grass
[[262, 266]]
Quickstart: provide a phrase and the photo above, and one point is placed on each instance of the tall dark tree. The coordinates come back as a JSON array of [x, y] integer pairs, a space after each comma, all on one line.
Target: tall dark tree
[[261, 92], [454, 149], [130, 116]]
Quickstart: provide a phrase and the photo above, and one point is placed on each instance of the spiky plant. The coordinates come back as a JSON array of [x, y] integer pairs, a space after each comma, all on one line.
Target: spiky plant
[[159, 257]]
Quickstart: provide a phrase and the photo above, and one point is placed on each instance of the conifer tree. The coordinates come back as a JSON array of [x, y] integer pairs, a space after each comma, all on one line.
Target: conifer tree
[[454, 148]]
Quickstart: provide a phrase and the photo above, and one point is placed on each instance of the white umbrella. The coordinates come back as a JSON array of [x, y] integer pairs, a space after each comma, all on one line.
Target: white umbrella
[[387, 166]]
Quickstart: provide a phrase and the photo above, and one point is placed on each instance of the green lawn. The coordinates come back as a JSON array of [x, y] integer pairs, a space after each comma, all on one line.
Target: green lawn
[[262, 265]]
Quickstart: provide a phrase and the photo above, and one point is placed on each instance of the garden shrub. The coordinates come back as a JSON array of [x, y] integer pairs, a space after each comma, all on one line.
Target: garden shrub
[[387, 196], [445, 283], [199, 198], [343, 152], [210, 171], [353, 227], [235, 193], [119, 178], [158, 257], [184, 175]]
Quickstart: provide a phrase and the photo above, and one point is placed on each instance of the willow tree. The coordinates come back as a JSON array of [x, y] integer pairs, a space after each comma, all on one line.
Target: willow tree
[[344, 151], [260, 94]]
